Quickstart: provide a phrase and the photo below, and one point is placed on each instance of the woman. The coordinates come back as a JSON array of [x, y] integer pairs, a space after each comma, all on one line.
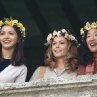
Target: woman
[[12, 68], [60, 58], [89, 57]]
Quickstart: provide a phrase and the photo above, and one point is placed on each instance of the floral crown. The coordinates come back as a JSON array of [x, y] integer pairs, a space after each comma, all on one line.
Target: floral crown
[[62, 32], [88, 26], [12, 22]]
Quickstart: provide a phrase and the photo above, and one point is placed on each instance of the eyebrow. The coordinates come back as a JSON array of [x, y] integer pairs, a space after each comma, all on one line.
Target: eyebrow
[[5, 31], [90, 33]]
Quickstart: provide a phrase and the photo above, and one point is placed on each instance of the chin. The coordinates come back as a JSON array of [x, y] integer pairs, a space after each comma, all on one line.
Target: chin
[[58, 57], [93, 50]]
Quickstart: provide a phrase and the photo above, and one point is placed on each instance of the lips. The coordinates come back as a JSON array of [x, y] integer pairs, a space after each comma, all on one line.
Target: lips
[[93, 44], [6, 41], [57, 51]]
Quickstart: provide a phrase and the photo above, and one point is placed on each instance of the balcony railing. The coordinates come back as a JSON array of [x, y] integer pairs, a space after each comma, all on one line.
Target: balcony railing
[[83, 86]]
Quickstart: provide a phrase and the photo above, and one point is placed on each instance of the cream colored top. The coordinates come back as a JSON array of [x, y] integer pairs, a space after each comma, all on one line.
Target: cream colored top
[[13, 74], [53, 74]]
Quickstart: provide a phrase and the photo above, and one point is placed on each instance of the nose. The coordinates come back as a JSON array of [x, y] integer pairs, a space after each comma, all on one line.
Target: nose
[[57, 45], [6, 35]]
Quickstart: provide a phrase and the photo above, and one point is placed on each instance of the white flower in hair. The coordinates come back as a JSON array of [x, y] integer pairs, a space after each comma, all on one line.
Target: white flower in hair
[[49, 37], [87, 23], [66, 35], [71, 37], [54, 32], [81, 31], [63, 31], [59, 33]]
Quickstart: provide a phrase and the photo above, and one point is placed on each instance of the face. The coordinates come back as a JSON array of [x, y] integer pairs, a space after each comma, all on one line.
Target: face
[[91, 40], [8, 37], [60, 47]]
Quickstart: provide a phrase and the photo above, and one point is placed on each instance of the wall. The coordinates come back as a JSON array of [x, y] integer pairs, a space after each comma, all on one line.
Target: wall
[[83, 86]]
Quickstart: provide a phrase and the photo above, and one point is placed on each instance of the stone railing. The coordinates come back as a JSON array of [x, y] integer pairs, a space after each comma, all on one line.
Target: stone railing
[[83, 86]]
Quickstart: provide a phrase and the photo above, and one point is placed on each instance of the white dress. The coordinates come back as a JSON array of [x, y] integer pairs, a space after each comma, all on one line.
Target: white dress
[[13, 74], [53, 74]]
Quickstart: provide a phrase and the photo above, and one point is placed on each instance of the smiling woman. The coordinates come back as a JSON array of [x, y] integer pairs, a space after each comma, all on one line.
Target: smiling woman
[[12, 68], [60, 58], [8, 37], [89, 34]]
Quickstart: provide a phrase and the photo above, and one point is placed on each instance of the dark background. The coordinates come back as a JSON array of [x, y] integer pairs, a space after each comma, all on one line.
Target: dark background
[[41, 17]]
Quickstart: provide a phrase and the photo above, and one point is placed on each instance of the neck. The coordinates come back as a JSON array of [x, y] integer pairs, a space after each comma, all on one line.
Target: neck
[[7, 53], [60, 63]]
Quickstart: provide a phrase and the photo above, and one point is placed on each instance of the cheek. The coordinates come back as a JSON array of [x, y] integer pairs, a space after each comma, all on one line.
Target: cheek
[[1, 38], [65, 50], [87, 41], [15, 39]]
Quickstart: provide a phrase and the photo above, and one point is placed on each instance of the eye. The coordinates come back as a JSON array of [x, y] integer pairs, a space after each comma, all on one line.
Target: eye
[[2, 32], [88, 36], [11, 32], [62, 42], [53, 43]]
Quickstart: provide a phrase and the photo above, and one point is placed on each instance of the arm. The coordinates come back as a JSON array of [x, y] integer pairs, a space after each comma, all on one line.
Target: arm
[[38, 74], [22, 75]]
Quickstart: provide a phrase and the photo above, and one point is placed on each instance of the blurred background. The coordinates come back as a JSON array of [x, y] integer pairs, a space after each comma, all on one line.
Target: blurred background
[[41, 17]]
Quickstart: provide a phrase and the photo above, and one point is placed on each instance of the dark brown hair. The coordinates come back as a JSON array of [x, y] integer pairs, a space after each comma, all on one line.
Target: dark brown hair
[[84, 53], [18, 56]]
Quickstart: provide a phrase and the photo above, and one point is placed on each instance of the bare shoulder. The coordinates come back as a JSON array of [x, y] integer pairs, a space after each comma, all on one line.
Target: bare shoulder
[[42, 68]]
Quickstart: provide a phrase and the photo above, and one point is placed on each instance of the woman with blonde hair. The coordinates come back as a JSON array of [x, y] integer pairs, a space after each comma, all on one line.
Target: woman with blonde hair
[[60, 58]]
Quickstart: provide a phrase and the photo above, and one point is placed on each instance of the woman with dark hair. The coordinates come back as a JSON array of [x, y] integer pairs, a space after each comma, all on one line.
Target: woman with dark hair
[[88, 55], [60, 58], [12, 68]]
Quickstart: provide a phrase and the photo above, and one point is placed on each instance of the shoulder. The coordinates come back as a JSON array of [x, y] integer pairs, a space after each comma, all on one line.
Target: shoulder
[[41, 72], [21, 67], [42, 69]]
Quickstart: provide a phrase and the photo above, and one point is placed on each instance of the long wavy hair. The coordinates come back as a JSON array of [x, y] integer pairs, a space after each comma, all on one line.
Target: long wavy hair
[[18, 56], [71, 57]]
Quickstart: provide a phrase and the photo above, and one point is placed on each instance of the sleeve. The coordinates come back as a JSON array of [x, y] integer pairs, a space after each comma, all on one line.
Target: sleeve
[[39, 73], [22, 76], [35, 74]]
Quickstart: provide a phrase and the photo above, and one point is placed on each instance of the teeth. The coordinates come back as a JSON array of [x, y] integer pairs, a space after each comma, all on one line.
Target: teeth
[[6, 41], [93, 44]]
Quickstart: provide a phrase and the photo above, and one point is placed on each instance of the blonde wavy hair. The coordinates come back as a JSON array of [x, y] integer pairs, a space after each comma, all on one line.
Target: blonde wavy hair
[[71, 57]]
